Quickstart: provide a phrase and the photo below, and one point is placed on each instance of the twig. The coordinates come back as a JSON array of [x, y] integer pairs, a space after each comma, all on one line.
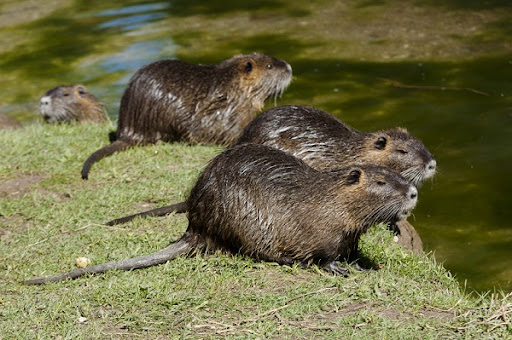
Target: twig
[[431, 87]]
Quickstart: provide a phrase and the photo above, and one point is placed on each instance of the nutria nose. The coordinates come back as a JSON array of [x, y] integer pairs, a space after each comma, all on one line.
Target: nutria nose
[[431, 166], [45, 100], [413, 192]]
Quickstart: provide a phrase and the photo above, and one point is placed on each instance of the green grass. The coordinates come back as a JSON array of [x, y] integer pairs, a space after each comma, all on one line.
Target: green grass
[[49, 216]]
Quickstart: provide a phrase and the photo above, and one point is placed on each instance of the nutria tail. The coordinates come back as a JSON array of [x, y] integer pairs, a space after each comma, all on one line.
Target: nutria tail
[[178, 208], [183, 246], [118, 145]]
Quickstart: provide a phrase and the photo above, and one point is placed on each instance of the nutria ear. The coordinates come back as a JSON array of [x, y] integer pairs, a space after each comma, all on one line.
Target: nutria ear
[[81, 90], [354, 176], [380, 143], [248, 67]]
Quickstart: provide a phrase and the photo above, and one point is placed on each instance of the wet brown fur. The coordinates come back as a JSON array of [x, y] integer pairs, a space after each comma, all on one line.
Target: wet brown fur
[[171, 100], [67, 103], [266, 204]]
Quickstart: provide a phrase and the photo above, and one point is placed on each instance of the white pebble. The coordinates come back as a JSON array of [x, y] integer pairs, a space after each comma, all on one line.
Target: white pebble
[[82, 262]]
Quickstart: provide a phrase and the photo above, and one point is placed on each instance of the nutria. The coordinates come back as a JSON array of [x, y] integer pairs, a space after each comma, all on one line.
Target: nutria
[[325, 142], [264, 203], [67, 103], [7, 122], [173, 101]]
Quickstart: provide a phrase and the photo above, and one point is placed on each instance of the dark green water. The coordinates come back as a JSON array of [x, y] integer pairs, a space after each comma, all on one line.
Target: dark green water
[[347, 58]]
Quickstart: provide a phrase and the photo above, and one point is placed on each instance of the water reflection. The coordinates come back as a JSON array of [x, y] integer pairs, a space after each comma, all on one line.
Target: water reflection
[[136, 9], [137, 55], [132, 22]]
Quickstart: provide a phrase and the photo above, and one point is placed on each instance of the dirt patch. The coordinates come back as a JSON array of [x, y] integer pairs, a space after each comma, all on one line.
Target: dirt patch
[[17, 187], [438, 314], [12, 225], [399, 315], [279, 283]]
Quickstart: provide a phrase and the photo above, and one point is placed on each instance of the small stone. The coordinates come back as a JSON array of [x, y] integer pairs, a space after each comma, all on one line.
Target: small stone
[[82, 262]]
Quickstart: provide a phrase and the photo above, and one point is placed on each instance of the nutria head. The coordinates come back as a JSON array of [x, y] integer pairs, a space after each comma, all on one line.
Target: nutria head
[[66, 103], [259, 76], [400, 151], [374, 194]]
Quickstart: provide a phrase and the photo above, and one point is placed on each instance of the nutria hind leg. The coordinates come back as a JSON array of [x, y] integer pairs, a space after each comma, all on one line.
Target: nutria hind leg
[[358, 267], [282, 261], [335, 268]]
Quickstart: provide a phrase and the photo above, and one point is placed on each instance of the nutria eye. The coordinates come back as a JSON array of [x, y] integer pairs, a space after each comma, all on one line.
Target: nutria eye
[[65, 94], [248, 67], [380, 143], [403, 152], [381, 183], [269, 66], [353, 177]]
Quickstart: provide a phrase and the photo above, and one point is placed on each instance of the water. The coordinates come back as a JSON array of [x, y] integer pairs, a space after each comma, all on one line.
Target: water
[[441, 69]]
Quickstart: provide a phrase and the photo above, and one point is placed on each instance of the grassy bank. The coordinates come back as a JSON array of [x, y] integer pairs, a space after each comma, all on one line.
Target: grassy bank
[[49, 217]]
